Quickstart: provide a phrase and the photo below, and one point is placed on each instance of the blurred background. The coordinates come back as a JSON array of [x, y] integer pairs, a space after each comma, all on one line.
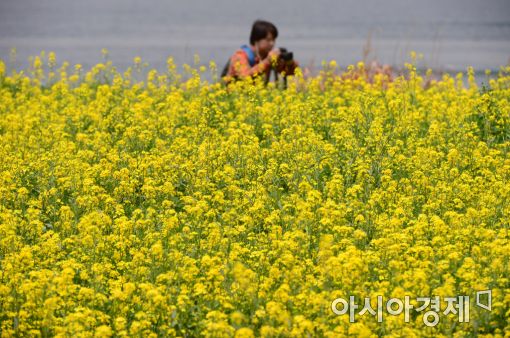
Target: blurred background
[[451, 34]]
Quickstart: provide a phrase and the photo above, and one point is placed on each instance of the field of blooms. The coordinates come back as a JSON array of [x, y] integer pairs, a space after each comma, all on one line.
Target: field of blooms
[[167, 204]]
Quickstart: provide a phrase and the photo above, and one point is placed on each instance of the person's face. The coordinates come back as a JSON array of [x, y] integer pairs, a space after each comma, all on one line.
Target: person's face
[[266, 44]]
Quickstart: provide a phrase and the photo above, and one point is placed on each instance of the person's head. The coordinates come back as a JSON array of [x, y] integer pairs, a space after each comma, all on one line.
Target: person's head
[[263, 36]]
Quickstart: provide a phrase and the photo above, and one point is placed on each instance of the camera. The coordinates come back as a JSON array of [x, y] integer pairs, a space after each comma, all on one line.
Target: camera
[[285, 54]]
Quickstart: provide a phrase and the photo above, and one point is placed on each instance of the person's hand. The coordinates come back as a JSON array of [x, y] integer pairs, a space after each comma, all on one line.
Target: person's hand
[[274, 54]]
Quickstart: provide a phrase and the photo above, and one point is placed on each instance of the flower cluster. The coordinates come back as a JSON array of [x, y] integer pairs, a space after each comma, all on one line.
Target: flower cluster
[[168, 205]]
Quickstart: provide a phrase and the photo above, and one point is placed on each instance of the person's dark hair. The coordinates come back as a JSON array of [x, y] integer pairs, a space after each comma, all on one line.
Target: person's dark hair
[[260, 29]]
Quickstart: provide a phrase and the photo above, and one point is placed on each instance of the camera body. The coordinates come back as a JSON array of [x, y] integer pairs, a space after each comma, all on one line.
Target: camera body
[[286, 55]]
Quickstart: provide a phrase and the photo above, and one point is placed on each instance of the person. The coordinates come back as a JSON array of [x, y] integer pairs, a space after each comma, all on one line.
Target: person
[[260, 57]]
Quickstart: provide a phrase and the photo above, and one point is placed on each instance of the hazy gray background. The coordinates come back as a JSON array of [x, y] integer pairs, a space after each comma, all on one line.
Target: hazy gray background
[[451, 34]]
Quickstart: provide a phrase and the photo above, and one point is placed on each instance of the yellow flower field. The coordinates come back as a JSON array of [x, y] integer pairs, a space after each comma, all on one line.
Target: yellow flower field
[[171, 205]]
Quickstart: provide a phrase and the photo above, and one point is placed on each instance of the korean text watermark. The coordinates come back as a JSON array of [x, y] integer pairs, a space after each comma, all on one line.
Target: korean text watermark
[[458, 305]]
